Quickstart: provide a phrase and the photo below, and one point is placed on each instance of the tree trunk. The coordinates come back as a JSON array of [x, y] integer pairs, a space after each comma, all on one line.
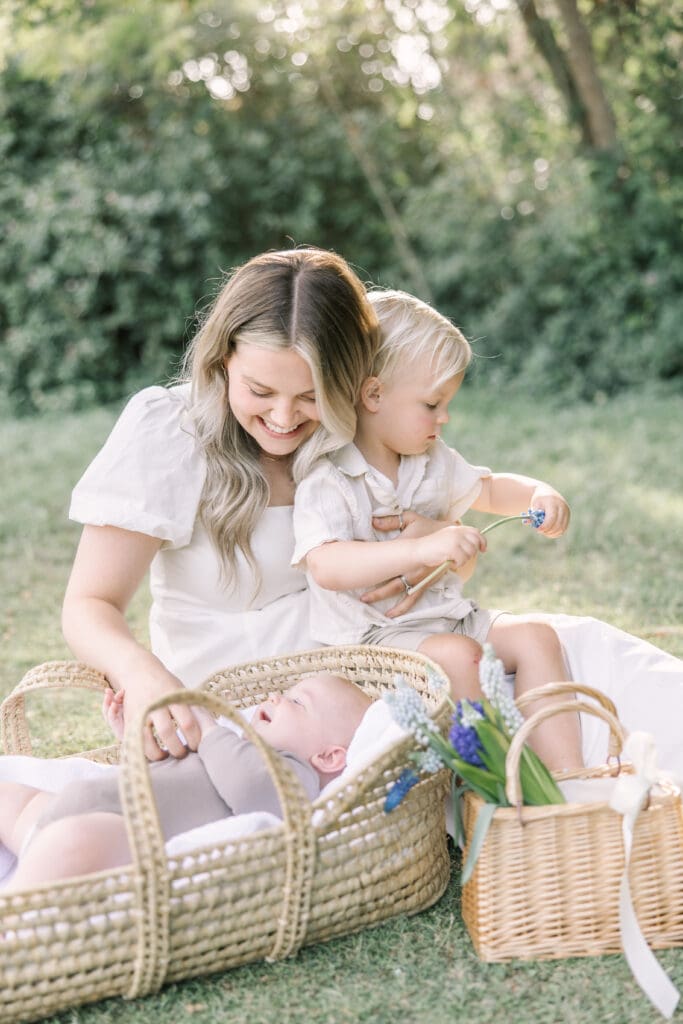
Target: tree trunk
[[358, 147], [601, 122], [575, 72], [543, 37]]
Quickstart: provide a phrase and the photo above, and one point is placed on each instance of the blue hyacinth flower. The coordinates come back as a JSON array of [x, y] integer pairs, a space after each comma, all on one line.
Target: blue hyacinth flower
[[404, 783], [534, 517], [463, 735]]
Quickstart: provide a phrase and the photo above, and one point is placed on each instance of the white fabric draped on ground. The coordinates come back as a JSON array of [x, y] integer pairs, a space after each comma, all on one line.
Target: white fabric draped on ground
[[645, 683]]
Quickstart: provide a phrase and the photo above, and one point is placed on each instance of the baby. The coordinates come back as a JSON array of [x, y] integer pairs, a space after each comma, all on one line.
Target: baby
[[81, 829]]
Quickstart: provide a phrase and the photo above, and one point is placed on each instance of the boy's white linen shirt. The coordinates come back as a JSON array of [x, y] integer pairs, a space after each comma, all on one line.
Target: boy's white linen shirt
[[336, 502]]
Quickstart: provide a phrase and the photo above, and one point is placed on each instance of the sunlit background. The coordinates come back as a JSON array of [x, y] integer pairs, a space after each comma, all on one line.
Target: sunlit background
[[516, 162]]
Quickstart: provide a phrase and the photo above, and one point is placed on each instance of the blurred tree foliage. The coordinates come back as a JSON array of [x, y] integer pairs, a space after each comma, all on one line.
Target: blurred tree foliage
[[443, 146]]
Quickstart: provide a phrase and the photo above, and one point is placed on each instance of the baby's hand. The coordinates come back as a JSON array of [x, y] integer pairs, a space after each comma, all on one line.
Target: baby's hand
[[112, 711], [556, 510]]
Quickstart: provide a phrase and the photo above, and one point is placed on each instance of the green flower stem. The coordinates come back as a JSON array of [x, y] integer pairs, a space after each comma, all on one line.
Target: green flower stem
[[435, 573], [499, 522]]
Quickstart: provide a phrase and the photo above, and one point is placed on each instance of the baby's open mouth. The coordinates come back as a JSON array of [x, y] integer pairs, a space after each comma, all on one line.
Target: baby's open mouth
[[263, 715]]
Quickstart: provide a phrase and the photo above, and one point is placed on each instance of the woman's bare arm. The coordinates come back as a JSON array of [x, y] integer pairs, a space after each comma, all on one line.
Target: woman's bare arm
[[109, 567]]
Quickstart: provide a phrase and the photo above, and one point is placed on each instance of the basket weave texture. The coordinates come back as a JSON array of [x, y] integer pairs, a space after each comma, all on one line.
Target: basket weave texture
[[130, 930], [546, 882]]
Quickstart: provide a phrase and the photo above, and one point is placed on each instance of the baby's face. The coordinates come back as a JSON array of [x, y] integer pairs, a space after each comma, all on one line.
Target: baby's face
[[296, 720]]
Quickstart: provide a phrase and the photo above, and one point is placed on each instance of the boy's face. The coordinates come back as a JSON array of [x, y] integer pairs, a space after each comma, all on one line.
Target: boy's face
[[411, 411], [300, 720]]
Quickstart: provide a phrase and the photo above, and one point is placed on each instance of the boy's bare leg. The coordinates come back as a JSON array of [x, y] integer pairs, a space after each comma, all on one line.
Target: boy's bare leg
[[78, 845], [459, 657], [20, 808], [532, 650]]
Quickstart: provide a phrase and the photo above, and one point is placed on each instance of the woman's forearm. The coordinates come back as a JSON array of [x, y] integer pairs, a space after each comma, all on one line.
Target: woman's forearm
[[109, 567], [98, 634]]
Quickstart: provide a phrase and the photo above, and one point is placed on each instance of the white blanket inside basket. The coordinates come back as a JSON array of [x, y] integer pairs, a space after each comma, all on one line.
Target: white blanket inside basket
[[376, 733]]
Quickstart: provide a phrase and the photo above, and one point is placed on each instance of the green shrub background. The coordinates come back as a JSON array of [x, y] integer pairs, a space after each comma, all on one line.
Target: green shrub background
[[128, 189]]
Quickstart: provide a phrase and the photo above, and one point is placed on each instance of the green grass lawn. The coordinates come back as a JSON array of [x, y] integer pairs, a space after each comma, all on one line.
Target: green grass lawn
[[619, 465]]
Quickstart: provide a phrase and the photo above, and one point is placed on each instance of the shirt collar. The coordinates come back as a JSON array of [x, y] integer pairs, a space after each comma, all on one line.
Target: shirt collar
[[350, 460]]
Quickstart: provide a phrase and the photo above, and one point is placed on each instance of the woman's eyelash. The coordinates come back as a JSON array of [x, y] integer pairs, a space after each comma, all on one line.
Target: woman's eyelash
[[268, 394]]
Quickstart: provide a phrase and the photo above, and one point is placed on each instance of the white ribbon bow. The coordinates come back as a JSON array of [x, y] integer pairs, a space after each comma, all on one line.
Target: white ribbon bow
[[628, 798]]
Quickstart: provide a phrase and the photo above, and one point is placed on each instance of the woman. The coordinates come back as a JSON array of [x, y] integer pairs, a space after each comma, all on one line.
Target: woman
[[196, 484]]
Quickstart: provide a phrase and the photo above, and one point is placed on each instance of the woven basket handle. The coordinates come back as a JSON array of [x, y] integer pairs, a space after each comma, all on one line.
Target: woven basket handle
[[149, 854], [513, 789], [557, 689], [52, 675]]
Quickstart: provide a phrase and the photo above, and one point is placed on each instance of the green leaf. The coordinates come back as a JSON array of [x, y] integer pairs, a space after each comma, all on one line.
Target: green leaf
[[479, 833]]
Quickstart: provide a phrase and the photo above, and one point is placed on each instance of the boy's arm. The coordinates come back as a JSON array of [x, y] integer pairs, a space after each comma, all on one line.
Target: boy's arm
[[509, 494], [350, 565]]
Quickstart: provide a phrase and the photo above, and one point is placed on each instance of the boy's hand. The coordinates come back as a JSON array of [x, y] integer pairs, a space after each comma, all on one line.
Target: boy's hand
[[456, 544], [556, 510], [112, 711]]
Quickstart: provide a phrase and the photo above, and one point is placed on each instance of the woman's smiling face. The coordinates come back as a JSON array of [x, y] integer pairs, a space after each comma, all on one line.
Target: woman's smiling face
[[272, 397]]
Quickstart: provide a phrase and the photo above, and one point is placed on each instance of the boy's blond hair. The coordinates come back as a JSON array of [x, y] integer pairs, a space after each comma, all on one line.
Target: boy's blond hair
[[413, 331]]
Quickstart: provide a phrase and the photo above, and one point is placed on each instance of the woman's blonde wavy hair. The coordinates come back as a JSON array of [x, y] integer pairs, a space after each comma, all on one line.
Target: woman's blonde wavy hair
[[308, 301]]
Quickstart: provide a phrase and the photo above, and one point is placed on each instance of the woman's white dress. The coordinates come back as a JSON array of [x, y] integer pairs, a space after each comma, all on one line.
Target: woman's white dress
[[148, 477]]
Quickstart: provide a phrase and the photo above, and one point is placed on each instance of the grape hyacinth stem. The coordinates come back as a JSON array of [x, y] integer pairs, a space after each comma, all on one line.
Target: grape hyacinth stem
[[534, 517]]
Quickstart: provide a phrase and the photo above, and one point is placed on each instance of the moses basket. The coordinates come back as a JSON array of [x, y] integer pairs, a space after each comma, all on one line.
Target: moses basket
[[546, 881], [340, 869]]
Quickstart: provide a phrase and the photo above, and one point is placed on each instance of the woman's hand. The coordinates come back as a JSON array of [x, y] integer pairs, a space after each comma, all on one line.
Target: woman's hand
[[411, 524], [161, 728], [462, 542], [113, 714]]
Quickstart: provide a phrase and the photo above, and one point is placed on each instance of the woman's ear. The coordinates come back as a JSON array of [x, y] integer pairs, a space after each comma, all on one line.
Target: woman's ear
[[371, 393]]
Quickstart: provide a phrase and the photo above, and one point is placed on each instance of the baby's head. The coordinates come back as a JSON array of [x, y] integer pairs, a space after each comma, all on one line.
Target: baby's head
[[419, 367], [315, 720]]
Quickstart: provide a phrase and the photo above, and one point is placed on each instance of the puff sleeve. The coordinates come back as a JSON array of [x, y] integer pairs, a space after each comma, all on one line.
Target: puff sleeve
[[149, 475]]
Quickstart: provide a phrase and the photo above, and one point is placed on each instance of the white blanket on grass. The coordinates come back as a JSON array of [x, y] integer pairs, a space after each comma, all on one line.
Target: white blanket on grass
[[645, 683]]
